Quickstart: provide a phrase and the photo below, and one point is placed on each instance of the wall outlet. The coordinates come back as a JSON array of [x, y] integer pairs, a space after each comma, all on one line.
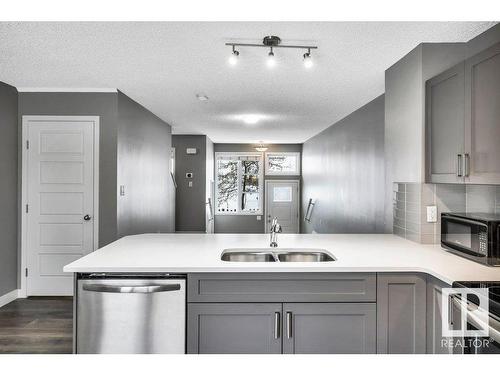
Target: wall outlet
[[191, 151], [259, 218], [432, 214]]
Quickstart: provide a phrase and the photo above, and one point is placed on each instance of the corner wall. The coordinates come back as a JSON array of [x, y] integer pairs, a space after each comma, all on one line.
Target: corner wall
[[343, 172], [8, 189], [143, 169]]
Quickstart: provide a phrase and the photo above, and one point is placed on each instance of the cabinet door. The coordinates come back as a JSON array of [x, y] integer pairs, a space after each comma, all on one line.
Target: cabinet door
[[401, 313], [329, 328], [436, 343], [482, 116], [230, 328], [445, 126]]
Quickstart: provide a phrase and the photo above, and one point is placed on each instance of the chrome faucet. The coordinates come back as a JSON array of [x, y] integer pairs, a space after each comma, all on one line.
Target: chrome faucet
[[274, 230]]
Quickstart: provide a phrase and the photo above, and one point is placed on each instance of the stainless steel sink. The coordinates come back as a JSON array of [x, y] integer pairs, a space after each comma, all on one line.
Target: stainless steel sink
[[247, 256], [303, 256], [281, 255]]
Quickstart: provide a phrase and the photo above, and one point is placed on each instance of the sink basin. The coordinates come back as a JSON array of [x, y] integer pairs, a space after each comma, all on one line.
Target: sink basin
[[278, 255], [305, 256], [247, 256]]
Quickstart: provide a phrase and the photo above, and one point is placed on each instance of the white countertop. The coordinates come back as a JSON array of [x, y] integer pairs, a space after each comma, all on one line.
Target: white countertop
[[184, 253]]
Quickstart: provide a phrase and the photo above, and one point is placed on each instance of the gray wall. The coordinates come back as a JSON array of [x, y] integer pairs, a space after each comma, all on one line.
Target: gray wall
[[190, 201], [144, 143], [404, 112], [8, 188], [249, 223], [343, 172], [103, 105]]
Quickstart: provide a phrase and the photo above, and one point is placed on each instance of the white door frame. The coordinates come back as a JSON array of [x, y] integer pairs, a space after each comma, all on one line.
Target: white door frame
[[265, 203], [24, 180]]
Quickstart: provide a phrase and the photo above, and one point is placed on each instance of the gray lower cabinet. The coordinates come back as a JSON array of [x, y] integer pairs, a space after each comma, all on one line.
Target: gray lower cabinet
[[329, 328], [401, 313], [234, 328], [436, 343]]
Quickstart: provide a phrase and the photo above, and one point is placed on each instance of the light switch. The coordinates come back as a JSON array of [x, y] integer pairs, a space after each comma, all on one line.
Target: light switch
[[431, 214], [259, 218], [122, 190], [190, 183]]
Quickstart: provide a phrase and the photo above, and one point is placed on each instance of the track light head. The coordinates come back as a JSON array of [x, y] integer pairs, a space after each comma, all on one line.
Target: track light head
[[308, 63], [271, 59], [233, 59]]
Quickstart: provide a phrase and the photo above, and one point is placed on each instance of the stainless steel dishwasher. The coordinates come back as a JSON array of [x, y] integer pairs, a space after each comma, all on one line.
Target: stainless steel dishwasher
[[125, 314]]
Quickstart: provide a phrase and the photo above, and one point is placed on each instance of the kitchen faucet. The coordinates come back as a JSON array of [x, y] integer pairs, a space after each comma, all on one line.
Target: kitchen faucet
[[274, 230]]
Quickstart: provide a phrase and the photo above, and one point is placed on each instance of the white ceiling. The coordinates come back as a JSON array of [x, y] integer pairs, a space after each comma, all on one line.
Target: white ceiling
[[164, 65]]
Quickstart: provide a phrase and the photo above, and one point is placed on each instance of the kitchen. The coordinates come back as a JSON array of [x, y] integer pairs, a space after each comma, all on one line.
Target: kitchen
[[296, 192]]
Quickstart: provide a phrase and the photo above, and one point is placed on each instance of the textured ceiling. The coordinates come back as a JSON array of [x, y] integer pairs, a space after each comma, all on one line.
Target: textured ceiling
[[164, 65]]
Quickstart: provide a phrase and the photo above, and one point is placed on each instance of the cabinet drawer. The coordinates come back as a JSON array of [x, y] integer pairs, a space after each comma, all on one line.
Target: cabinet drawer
[[282, 287]]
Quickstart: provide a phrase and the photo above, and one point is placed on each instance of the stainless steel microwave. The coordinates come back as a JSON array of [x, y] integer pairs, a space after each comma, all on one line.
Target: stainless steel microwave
[[475, 236]]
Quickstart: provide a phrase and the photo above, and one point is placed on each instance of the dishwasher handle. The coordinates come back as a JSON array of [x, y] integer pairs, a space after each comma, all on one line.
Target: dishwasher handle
[[131, 288]]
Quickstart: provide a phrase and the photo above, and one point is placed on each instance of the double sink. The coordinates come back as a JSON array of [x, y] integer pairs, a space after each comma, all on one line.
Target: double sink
[[282, 255]]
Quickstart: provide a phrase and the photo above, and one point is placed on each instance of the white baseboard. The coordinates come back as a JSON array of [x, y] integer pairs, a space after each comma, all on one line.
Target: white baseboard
[[9, 297]]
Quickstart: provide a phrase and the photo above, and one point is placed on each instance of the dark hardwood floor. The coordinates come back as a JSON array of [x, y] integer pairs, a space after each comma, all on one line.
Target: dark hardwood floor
[[37, 325]]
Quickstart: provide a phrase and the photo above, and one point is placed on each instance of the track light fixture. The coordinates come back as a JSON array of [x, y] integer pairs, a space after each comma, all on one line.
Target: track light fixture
[[233, 59], [271, 59], [308, 63], [271, 42]]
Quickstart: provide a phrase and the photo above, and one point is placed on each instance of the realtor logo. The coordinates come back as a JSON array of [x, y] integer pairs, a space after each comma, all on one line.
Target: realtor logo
[[458, 310]]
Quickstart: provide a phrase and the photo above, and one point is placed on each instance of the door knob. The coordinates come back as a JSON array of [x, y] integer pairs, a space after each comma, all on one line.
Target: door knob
[[86, 217]]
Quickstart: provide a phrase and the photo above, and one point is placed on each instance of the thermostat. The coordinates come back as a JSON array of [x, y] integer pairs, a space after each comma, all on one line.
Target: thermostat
[[189, 175]]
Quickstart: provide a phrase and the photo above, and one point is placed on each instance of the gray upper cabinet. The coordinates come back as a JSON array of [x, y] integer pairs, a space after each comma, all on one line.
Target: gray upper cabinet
[[463, 122], [445, 126], [401, 314], [234, 328], [482, 114], [436, 343], [329, 328]]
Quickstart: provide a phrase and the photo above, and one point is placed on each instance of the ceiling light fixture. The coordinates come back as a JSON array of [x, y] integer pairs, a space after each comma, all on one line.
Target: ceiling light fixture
[[308, 63], [251, 119], [271, 59], [202, 97], [271, 42], [233, 59], [261, 147]]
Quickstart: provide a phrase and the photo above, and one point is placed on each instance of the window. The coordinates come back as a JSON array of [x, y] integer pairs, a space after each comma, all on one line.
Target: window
[[283, 163], [238, 183]]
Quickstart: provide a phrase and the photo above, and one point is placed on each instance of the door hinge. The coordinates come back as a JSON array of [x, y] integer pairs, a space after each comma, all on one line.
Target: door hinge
[[27, 209], [27, 145], [26, 272]]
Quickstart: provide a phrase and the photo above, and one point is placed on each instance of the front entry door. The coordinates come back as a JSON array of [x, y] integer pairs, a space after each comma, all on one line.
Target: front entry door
[[282, 201], [60, 199]]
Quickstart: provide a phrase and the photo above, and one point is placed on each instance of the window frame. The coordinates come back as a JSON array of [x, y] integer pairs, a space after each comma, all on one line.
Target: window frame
[[285, 153], [237, 155]]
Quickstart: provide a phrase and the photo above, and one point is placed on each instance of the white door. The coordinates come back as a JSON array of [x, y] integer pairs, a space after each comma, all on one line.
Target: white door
[[282, 201], [60, 200]]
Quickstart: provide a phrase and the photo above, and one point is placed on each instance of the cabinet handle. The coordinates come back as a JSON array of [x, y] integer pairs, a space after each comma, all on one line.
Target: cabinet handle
[[466, 165], [459, 166], [289, 325], [276, 325]]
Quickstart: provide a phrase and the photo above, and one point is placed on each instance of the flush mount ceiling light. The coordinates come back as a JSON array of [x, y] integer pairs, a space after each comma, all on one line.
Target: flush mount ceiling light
[[271, 42], [251, 119]]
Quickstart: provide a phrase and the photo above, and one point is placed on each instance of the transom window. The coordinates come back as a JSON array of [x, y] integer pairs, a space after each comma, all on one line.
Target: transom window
[[238, 185], [283, 163]]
